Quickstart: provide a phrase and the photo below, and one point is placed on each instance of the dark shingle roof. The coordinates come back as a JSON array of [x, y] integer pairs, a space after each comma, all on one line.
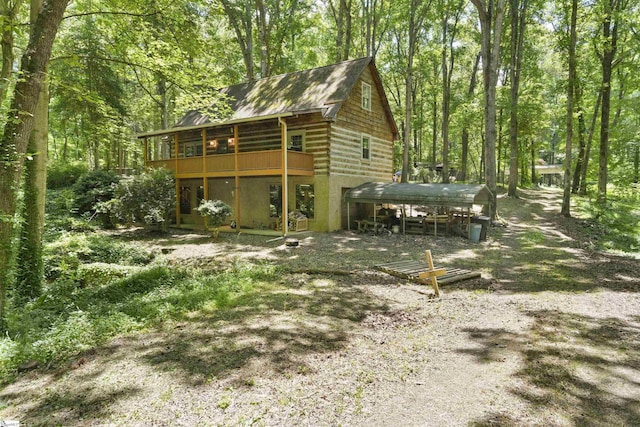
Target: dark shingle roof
[[321, 90]]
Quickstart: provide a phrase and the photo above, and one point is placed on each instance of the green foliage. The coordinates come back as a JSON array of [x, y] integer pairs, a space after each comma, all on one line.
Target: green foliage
[[59, 215], [614, 225], [75, 314], [64, 175], [216, 212], [94, 187], [64, 256], [148, 198]]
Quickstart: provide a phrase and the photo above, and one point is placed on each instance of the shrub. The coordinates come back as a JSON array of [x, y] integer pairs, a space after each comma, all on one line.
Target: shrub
[[216, 212], [148, 198], [65, 175], [63, 257], [94, 187]]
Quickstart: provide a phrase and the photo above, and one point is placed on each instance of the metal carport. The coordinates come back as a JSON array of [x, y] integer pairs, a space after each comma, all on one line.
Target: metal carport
[[400, 193]]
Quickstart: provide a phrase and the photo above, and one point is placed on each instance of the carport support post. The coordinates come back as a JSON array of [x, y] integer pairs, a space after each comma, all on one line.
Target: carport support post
[[404, 216], [236, 177], [348, 216], [285, 180]]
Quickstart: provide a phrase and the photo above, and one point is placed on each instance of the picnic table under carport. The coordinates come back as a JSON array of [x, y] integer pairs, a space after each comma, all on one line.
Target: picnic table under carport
[[462, 196]]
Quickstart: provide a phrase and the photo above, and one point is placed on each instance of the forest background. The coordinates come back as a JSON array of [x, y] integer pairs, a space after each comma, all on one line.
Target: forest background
[[484, 89]]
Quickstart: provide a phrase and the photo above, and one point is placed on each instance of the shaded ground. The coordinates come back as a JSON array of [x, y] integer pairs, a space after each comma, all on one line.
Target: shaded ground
[[549, 336]]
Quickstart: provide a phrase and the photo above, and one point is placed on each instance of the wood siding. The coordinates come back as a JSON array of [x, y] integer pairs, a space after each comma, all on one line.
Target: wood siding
[[346, 155], [346, 133], [316, 139]]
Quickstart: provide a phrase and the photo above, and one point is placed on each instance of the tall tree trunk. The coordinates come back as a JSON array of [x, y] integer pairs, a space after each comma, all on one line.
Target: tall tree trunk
[[342, 16], [582, 136], [372, 11], [16, 134], [242, 23], [30, 265], [265, 43], [445, 101], [534, 179], [348, 31], [500, 168], [636, 164], [610, 22], [587, 150], [465, 129], [491, 15], [447, 73], [434, 133], [414, 25], [566, 199], [518, 20], [9, 12]]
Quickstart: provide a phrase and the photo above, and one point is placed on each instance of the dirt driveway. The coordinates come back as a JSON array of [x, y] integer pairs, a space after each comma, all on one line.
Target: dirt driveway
[[549, 336]]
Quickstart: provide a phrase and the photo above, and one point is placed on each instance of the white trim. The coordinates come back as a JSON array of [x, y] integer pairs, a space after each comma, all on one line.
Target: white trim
[[366, 89], [298, 132]]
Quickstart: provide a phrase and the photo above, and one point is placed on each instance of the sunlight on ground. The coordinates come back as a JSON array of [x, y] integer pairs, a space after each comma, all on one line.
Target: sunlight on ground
[[463, 254], [323, 283], [378, 249]]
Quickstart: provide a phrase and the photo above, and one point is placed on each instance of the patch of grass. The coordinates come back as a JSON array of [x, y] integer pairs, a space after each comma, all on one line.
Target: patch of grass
[[613, 225], [75, 314], [63, 257], [532, 237]]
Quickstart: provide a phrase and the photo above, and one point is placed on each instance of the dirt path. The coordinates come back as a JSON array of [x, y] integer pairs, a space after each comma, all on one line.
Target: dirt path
[[549, 336]]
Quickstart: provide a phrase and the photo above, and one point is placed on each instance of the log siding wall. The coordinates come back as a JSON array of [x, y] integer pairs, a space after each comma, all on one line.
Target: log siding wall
[[346, 155], [351, 124]]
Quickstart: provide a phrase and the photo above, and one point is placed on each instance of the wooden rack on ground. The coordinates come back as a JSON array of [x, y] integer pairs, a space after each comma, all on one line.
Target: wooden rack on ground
[[425, 272]]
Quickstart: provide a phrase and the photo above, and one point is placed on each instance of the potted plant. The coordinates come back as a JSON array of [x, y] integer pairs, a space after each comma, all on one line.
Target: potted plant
[[215, 213]]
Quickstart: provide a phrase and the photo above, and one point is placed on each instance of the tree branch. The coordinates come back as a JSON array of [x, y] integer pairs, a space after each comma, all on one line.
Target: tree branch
[[109, 12]]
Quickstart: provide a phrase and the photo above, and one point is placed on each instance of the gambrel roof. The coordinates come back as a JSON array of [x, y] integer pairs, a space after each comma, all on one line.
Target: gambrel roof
[[321, 90]]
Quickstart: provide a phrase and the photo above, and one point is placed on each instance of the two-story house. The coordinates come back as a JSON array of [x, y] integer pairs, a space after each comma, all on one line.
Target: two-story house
[[297, 141]]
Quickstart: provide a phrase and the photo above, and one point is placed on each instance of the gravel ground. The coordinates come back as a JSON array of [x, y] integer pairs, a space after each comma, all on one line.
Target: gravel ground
[[550, 335]]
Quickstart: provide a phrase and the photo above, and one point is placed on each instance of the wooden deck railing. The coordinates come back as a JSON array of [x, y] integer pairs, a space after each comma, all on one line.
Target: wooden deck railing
[[258, 162]]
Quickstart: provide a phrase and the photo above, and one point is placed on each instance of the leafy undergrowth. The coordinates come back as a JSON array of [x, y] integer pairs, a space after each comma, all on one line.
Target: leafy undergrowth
[[613, 225], [101, 288]]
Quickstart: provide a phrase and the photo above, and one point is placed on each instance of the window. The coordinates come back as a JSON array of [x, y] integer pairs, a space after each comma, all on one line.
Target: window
[[185, 200], [296, 140], [200, 194], [219, 141], [275, 201], [366, 147], [189, 143], [366, 96], [305, 199]]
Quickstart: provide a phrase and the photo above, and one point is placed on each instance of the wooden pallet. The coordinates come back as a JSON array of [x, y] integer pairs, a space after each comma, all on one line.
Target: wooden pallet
[[410, 269]]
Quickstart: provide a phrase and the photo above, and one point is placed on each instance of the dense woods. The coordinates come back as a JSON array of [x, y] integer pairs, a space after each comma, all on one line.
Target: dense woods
[[483, 91]]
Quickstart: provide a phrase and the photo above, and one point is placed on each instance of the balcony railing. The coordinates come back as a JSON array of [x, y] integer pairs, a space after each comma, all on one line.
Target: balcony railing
[[249, 163]]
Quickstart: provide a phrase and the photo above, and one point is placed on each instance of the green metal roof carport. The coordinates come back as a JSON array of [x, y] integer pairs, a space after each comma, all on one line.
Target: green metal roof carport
[[399, 193]]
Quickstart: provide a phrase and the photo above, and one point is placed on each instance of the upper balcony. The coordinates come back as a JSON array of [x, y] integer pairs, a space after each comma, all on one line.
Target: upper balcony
[[250, 149], [254, 163]]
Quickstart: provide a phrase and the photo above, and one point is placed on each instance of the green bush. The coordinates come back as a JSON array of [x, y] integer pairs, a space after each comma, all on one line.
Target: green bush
[[216, 212], [64, 256], [60, 215], [64, 175], [614, 225], [94, 187], [148, 198]]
